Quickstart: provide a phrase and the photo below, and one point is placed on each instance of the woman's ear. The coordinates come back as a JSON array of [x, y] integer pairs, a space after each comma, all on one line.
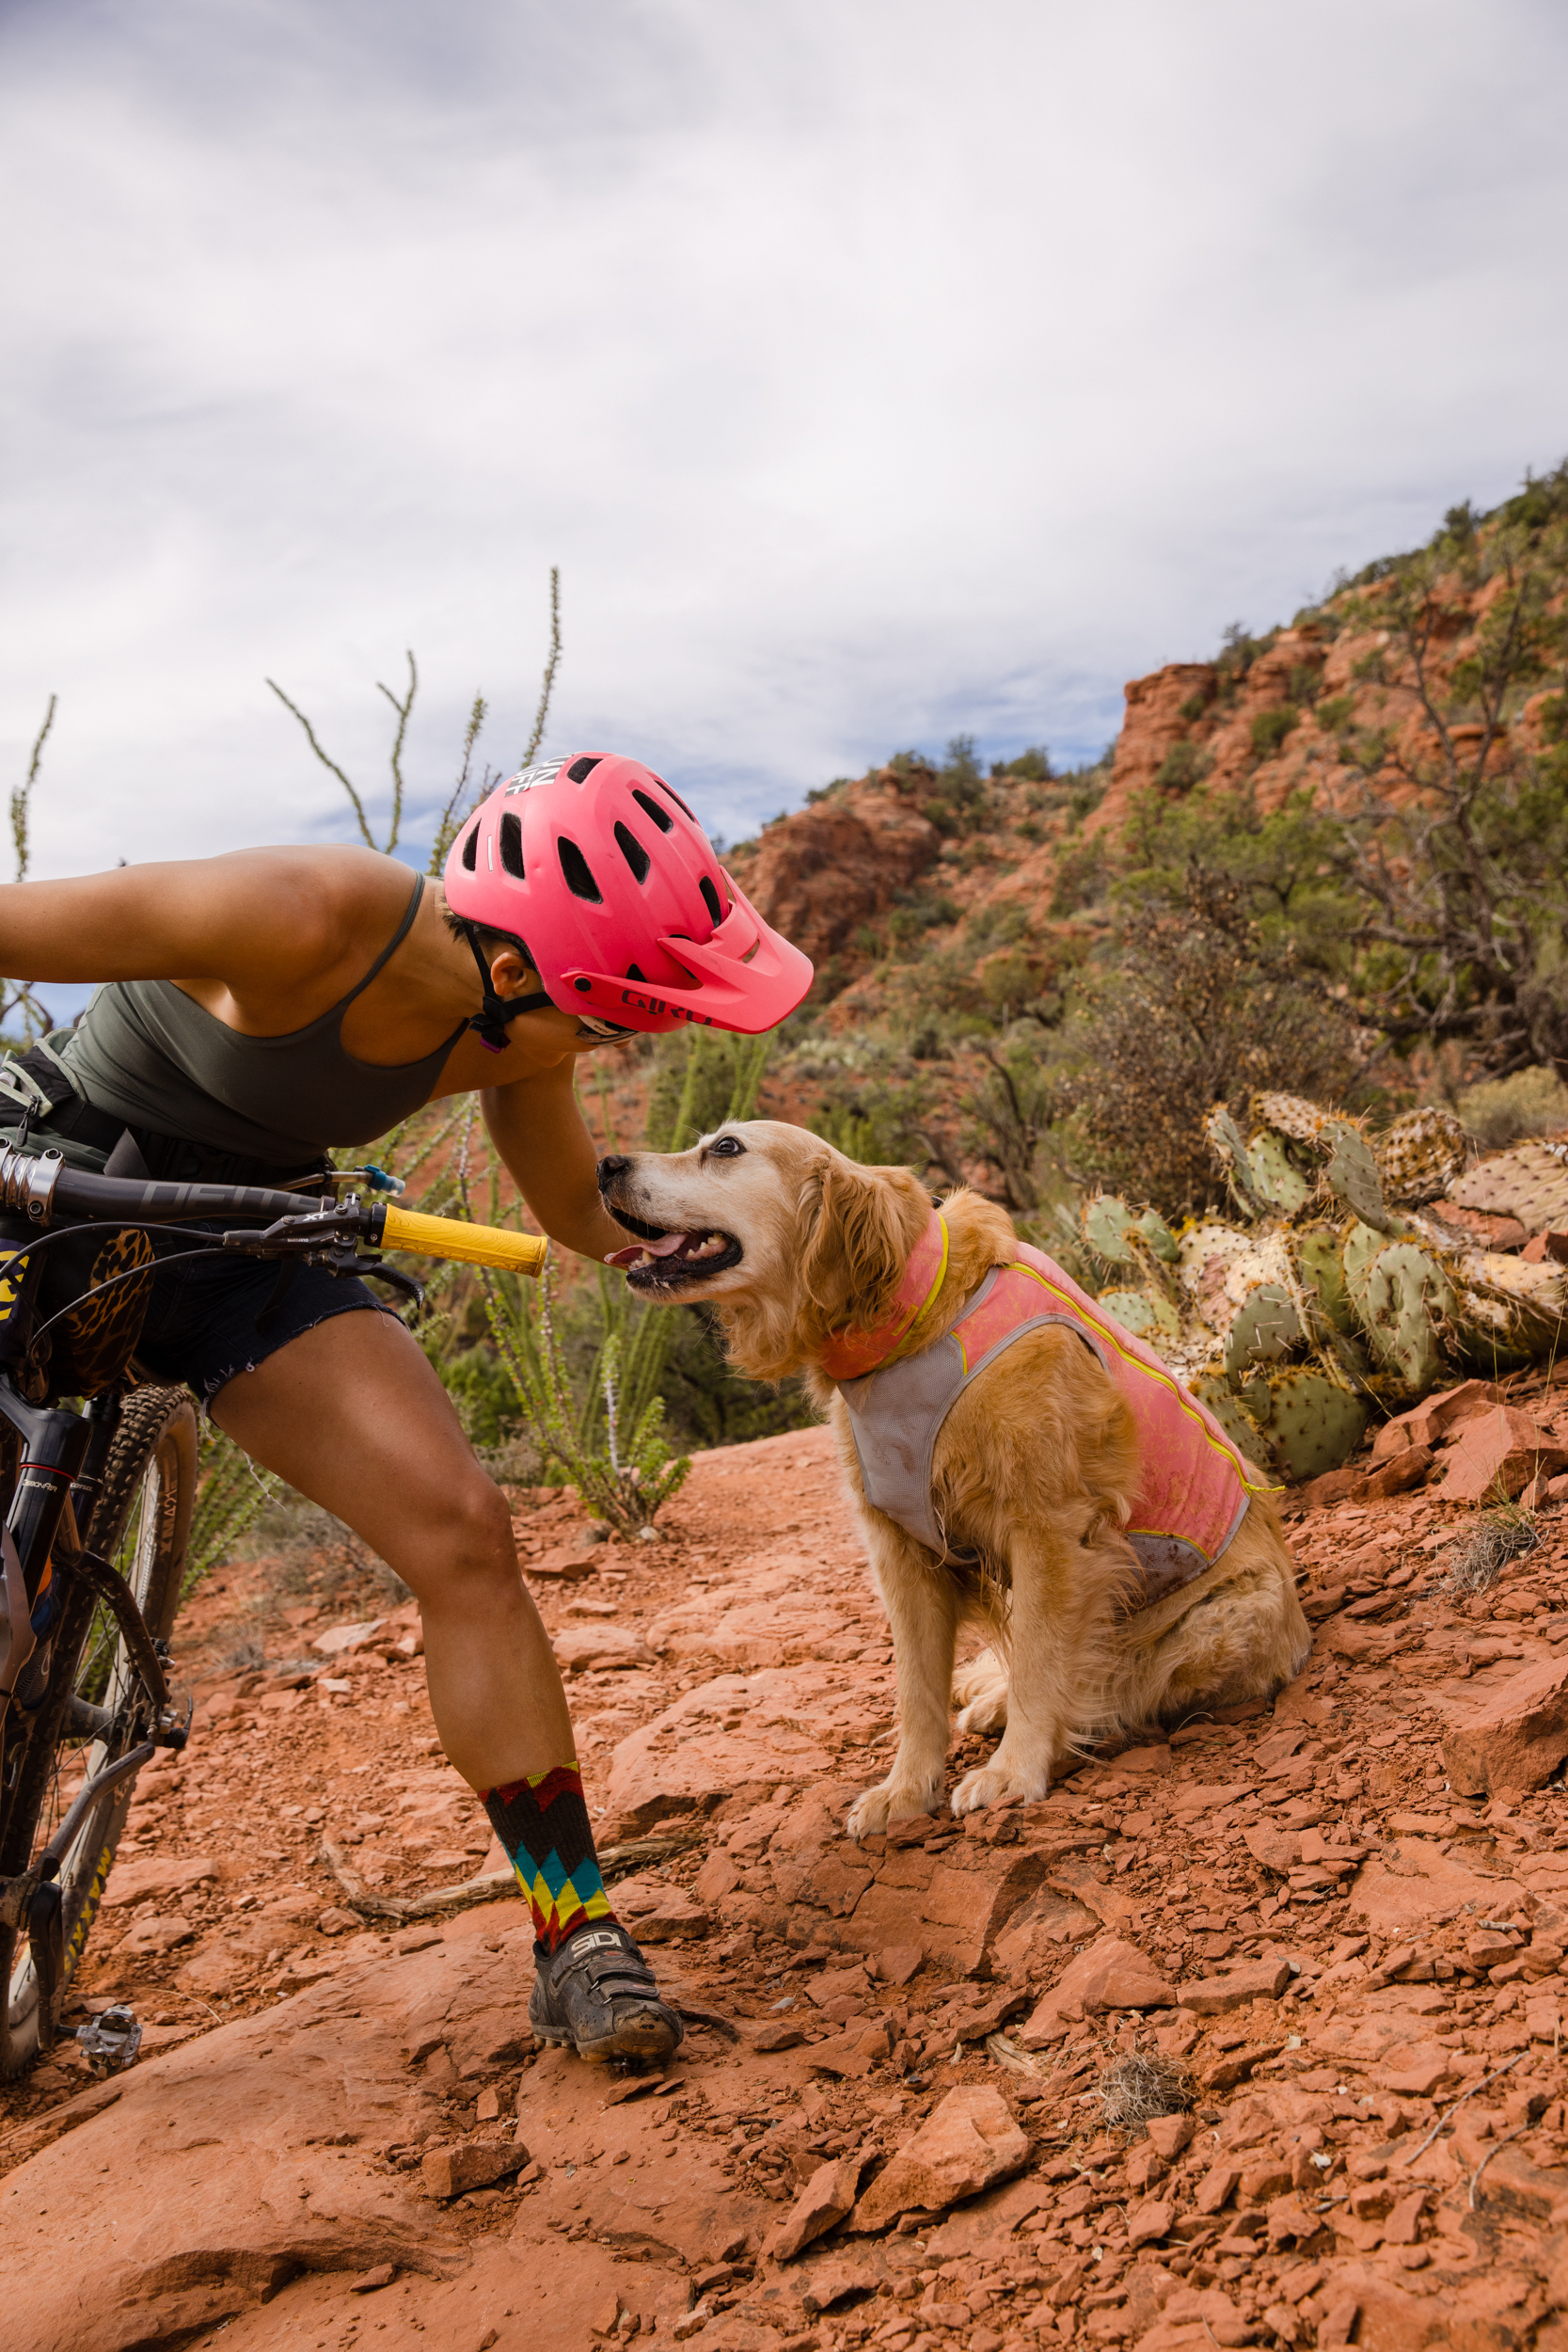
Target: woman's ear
[[858, 1226]]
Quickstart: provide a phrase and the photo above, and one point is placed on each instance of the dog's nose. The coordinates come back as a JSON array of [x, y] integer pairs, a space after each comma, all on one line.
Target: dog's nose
[[613, 1164]]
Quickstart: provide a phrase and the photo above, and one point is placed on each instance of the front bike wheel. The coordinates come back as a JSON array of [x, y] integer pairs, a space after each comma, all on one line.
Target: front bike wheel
[[92, 1710]]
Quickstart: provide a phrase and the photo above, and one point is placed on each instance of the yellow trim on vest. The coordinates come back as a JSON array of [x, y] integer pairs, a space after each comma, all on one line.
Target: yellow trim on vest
[[930, 1299], [1187, 1404]]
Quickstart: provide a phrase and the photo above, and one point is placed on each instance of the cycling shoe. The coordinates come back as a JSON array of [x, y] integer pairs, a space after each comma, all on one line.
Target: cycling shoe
[[596, 1993]]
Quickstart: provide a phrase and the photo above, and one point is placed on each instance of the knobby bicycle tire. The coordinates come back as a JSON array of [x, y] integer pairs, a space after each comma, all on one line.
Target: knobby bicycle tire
[[141, 1520]]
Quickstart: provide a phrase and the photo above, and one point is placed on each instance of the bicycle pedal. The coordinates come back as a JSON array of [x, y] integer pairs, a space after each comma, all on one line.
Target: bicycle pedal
[[111, 2039]]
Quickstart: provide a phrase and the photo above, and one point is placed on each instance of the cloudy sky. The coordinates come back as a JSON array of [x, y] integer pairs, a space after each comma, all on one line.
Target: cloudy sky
[[872, 369]]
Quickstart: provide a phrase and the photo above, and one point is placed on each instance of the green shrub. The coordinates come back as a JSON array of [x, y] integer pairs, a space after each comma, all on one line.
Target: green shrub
[[1033, 766], [1082, 872], [1501, 1111], [1334, 715], [1182, 765], [1271, 728]]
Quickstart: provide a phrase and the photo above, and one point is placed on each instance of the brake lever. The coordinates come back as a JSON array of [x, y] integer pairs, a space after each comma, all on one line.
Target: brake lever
[[347, 1262]]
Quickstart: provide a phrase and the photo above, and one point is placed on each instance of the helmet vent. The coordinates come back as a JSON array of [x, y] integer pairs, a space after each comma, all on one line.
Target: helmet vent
[[710, 899], [512, 844], [470, 850], [632, 850], [661, 816], [635, 972], [674, 796], [578, 873], [580, 769]]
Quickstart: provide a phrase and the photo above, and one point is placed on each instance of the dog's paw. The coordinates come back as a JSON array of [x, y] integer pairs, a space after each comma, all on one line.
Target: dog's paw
[[999, 1784], [889, 1801], [980, 1691], [985, 1716]]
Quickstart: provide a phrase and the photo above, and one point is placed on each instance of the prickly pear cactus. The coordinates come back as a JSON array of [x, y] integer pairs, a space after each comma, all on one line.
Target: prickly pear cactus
[[1154, 1230], [1507, 1312], [1320, 1259], [1351, 1176], [1144, 1314], [1108, 1228], [1212, 1388], [1406, 1304], [1292, 1115], [1530, 1183], [1312, 1422], [1265, 1330], [1420, 1156], [1228, 1146], [1274, 1177]]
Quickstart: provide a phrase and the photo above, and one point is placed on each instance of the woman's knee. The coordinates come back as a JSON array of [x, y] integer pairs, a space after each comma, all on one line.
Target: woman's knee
[[464, 1531]]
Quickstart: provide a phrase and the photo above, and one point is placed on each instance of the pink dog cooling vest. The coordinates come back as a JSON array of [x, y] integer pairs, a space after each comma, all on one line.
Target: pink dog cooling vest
[[1193, 1495]]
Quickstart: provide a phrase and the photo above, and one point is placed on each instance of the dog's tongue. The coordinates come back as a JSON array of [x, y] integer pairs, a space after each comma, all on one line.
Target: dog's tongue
[[664, 1248]]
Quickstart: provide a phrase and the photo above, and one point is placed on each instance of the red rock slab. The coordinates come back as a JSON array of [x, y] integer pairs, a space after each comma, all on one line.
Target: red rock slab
[[735, 1730], [1396, 1892], [1497, 1454], [1257, 1980], [1110, 1975], [654, 1910], [338, 1640], [824, 2201], [578, 1647], [565, 1564], [1436, 1416], [1513, 1737], [967, 2143], [215, 2178], [954, 1906], [134, 1881]]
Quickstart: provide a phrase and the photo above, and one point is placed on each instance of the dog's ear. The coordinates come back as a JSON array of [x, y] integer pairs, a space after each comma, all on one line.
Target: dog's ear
[[858, 1226]]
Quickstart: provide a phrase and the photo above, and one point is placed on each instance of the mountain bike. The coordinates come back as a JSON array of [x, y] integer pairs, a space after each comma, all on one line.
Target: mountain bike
[[97, 1471]]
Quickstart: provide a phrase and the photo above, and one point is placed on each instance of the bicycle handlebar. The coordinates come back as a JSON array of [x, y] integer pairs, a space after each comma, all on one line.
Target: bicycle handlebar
[[150, 1201], [449, 1237], [39, 1186]]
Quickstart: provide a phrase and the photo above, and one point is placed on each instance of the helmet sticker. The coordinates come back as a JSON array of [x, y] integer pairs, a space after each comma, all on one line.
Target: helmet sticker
[[545, 772]]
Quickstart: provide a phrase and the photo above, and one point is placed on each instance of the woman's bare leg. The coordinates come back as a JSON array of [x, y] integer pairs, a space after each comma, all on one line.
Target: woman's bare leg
[[352, 1414]]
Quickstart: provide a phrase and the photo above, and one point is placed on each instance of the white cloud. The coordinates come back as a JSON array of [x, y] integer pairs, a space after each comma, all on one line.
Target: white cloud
[[871, 370]]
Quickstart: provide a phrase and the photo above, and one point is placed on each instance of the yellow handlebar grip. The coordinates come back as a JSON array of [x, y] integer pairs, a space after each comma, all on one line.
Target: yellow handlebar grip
[[473, 1245]]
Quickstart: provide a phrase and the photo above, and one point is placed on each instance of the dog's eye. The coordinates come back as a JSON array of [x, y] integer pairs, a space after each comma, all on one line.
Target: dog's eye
[[727, 1148]]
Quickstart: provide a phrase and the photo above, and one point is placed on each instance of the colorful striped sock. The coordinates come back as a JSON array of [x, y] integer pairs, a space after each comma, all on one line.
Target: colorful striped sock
[[543, 1823]]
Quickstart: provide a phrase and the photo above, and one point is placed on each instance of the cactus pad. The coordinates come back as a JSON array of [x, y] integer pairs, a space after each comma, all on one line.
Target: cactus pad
[[1212, 1388], [1263, 1332], [1352, 1177], [1312, 1422], [1292, 1115], [1107, 1227], [1420, 1156], [1144, 1314], [1272, 1176], [1530, 1183], [1406, 1306]]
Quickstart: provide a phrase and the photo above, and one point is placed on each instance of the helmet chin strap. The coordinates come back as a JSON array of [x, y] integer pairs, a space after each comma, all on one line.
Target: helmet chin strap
[[491, 1019]]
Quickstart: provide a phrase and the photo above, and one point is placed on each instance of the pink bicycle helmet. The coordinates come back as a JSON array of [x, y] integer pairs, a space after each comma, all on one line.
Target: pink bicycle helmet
[[627, 915]]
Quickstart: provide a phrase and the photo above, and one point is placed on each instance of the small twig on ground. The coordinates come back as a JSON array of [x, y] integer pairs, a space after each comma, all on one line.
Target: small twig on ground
[[1411, 2154], [492, 1885], [1487, 2158]]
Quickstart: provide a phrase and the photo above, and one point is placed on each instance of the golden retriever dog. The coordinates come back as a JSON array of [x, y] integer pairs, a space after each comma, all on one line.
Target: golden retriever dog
[[1032, 1475]]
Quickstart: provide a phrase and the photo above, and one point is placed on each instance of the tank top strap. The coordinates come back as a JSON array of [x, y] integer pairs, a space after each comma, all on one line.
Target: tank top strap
[[387, 952]]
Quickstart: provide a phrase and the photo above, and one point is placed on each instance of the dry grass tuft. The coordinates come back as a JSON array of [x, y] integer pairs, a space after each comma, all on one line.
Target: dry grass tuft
[[1135, 2087], [1474, 1563]]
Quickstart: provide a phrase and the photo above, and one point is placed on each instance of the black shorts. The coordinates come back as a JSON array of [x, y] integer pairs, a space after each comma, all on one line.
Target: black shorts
[[210, 1317]]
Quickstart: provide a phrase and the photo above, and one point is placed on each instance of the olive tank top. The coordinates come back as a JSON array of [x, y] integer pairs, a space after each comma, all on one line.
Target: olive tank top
[[151, 1054]]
